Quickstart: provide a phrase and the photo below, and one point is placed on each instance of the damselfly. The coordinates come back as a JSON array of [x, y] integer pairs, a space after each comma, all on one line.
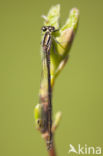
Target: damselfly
[[46, 45]]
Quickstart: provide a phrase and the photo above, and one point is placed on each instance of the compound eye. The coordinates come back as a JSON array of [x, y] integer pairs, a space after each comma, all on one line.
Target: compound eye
[[51, 28], [44, 28]]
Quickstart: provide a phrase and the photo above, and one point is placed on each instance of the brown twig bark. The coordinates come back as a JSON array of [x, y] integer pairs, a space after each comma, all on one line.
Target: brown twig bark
[[52, 152]]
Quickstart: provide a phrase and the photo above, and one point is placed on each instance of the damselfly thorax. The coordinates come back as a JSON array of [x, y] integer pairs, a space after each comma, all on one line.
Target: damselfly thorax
[[47, 42]]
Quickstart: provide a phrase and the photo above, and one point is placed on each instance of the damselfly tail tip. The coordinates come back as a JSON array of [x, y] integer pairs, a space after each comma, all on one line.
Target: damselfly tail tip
[[49, 145]]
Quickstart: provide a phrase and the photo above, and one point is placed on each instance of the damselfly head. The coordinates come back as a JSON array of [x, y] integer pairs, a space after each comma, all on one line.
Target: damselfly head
[[48, 28]]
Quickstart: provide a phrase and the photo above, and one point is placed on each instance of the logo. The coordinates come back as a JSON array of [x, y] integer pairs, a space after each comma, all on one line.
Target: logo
[[85, 149]]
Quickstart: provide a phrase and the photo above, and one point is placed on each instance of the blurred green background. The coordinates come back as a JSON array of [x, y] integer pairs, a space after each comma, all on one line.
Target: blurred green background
[[78, 92]]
